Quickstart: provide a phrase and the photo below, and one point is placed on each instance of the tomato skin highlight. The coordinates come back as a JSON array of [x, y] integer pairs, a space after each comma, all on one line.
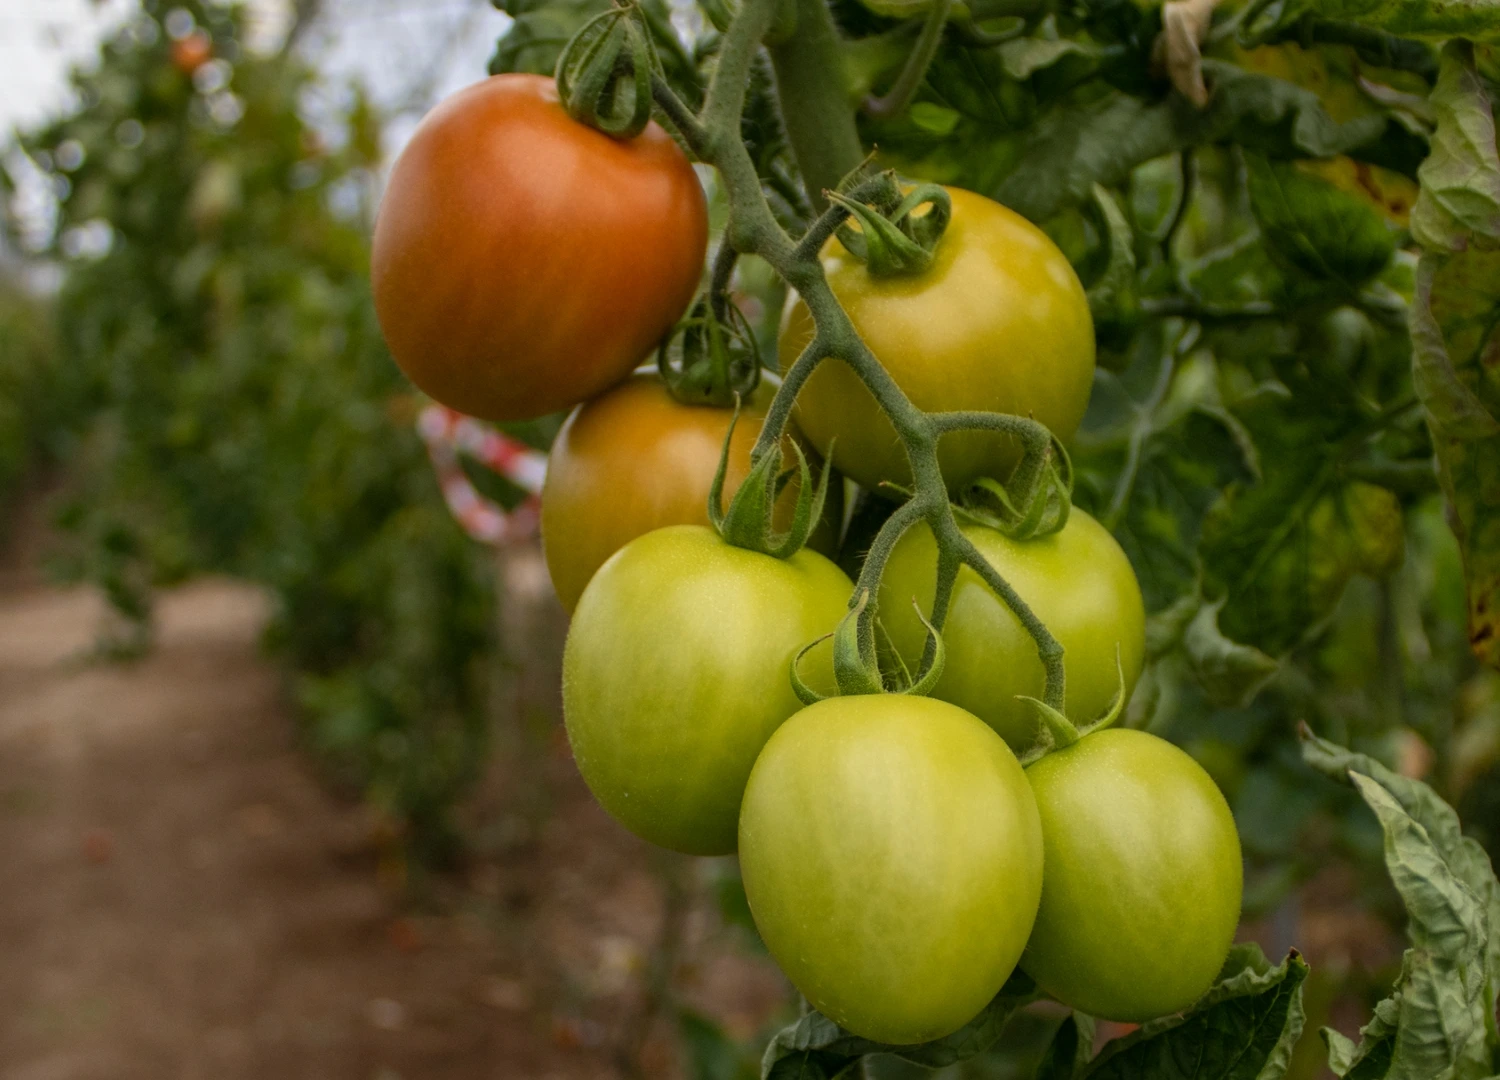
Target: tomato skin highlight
[[633, 460], [677, 670], [1143, 880], [523, 262], [1000, 322], [1078, 582], [891, 853]]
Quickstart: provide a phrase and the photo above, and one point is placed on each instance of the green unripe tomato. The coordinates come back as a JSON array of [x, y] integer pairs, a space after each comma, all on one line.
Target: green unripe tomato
[[999, 321], [677, 670], [1077, 581], [1143, 878], [892, 858]]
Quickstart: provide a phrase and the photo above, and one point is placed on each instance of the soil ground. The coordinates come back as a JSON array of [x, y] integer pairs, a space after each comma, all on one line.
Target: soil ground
[[182, 896]]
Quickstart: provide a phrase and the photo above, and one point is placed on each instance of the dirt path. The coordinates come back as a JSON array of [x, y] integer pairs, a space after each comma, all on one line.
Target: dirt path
[[180, 897]]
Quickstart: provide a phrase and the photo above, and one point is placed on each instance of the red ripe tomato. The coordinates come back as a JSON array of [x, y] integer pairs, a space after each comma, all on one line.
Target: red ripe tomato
[[192, 52], [524, 262]]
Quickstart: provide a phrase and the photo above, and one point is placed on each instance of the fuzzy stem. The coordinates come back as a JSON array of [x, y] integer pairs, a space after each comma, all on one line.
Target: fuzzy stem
[[810, 71], [821, 126]]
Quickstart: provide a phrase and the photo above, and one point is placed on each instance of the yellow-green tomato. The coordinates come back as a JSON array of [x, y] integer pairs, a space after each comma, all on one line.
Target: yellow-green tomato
[[677, 669], [1077, 581], [999, 322], [892, 858], [1143, 878]]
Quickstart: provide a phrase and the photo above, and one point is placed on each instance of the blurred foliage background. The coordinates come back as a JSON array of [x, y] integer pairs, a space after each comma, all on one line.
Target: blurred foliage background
[[212, 358]]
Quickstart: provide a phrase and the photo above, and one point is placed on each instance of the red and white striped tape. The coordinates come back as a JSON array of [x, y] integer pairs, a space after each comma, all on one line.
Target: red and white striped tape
[[447, 434]]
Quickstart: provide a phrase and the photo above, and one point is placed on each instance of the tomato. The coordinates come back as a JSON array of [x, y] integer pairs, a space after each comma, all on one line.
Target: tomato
[[892, 856], [1141, 890], [677, 670], [1000, 322], [192, 52], [1077, 581], [635, 459], [523, 262]]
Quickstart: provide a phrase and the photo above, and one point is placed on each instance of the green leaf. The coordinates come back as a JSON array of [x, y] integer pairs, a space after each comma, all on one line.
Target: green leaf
[[1112, 297], [1314, 229], [1024, 57], [536, 38], [1244, 1028], [1456, 368], [898, 9], [1454, 319], [816, 1048], [1231, 674], [1073, 148], [1464, 855], [1432, 20], [1439, 1019], [1460, 179]]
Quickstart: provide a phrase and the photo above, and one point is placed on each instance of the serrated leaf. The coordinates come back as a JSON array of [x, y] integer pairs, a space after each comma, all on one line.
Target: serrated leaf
[[1072, 149], [1453, 320], [1313, 228], [1439, 1019], [1244, 1028], [1464, 855], [1283, 551], [1432, 20], [1460, 180], [1231, 674], [535, 40], [1024, 57], [816, 1048], [1455, 330], [1112, 298]]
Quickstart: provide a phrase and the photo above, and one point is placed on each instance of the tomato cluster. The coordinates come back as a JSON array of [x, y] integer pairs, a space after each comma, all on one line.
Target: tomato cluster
[[898, 859]]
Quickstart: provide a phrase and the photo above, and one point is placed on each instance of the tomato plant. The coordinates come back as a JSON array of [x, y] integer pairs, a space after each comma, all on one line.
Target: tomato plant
[[893, 860], [634, 459], [999, 322], [1142, 879], [1078, 582], [675, 674], [1224, 278], [506, 286]]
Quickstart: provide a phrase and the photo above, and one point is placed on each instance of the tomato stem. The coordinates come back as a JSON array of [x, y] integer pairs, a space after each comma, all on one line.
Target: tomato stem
[[820, 124], [809, 67]]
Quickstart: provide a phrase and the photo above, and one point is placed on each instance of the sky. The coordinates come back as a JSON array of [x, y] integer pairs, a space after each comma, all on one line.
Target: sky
[[409, 52]]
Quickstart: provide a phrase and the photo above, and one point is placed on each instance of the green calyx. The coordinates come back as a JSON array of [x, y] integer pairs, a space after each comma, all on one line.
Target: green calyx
[[715, 361], [1057, 732], [1034, 504], [750, 520], [856, 658], [604, 73], [892, 239]]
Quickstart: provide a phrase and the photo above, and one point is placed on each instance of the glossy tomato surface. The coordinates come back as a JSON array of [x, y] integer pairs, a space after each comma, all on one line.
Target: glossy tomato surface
[[677, 671], [634, 459], [1000, 322], [1143, 878], [892, 856], [1078, 581], [523, 262]]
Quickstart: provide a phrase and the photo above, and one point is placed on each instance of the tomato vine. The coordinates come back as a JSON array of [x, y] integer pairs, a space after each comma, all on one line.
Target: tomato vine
[[713, 135]]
